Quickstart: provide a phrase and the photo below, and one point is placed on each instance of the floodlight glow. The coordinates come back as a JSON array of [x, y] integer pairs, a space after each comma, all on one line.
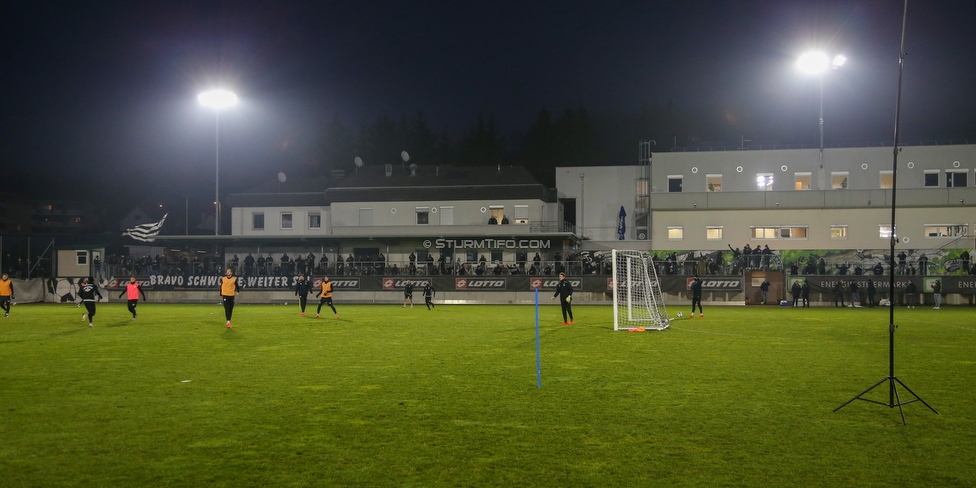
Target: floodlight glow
[[813, 62], [838, 61], [217, 99]]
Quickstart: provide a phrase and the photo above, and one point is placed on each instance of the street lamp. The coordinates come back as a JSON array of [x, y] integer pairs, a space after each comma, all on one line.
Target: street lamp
[[217, 100], [816, 63]]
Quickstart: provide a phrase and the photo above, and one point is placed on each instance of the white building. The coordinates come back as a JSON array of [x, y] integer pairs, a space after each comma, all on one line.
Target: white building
[[782, 198]]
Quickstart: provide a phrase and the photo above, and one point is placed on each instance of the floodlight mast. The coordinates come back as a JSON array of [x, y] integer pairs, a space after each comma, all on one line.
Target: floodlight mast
[[217, 100], [816, 63]]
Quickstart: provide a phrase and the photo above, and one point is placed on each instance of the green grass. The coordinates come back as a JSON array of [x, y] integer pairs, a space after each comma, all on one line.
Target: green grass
[[386, 396]]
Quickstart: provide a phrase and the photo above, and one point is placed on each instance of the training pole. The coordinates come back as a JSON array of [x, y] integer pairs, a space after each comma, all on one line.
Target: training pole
[[894, 400], [538, 356]]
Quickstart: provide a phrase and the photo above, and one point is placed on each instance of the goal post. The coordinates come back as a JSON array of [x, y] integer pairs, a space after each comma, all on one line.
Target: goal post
[[638, 301]]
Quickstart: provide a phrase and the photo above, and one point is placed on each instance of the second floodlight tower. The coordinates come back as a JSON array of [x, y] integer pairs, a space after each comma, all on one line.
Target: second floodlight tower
[[217, 100]]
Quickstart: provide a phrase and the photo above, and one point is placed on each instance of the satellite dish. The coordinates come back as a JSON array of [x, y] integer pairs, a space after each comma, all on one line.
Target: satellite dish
[[404, 156], [359, 162], [281, 177]]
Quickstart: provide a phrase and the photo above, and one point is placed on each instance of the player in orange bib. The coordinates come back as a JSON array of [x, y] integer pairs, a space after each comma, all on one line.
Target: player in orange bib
[[133, 290], [325, 297], [230, 287], [6, 294]]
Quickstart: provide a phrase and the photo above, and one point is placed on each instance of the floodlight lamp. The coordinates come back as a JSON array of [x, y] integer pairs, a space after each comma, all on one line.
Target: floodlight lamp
[[838, 61], [813, 62], [217, 99]]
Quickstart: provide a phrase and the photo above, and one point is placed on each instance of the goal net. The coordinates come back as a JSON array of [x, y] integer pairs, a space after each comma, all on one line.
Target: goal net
[[637, 297]]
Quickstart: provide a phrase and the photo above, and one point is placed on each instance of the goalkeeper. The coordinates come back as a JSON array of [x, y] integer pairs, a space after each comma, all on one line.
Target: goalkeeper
[[564, 290]]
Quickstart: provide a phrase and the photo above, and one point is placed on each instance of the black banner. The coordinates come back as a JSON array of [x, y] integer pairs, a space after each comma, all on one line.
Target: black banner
[[594, 284]]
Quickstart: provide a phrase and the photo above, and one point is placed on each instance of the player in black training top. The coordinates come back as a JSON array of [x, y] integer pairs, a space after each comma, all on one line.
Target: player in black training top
[[564, 290], [302, 288], [87, 294], [408, 294], [696, 294], [428, 295]]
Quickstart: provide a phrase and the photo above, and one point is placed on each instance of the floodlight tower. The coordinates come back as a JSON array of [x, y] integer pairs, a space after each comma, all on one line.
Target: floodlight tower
[[817, 63], [217, 100]]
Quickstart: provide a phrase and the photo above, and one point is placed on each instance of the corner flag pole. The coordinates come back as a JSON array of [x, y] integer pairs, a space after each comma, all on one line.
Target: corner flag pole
[[538, 356]]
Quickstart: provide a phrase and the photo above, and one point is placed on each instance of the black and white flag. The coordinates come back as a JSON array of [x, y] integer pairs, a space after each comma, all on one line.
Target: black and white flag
[[145, 232]]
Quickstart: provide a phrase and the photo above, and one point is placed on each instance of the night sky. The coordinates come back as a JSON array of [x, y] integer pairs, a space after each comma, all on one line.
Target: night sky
[[109, 88]]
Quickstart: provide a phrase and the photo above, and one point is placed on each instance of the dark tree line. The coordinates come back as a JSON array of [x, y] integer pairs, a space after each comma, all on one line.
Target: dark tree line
[[572, 137]]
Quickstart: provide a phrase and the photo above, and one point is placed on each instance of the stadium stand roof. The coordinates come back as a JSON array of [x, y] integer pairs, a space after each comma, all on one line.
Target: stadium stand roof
[[379, 184]]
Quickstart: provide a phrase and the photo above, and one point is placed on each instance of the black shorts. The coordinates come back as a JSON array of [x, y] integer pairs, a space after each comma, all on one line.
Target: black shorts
[[408, 295], [5, 299]]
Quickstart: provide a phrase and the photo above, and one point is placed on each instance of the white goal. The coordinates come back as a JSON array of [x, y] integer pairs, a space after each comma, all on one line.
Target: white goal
[[637, 297]]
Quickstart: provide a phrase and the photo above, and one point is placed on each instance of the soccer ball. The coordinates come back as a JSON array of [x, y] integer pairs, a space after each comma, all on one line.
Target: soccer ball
[[680, 315]]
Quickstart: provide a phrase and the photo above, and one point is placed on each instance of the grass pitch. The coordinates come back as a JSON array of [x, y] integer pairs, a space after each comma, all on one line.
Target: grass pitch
[[386, 396]]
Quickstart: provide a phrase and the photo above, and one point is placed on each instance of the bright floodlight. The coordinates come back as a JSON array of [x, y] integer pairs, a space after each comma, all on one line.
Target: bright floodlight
[[838, 61], [217, 99], [813, 63]]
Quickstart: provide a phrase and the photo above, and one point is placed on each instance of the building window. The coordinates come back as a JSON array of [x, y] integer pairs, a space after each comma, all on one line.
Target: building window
[[521, 214], [884, 231], [447, 215], [713, 233], [82, 258], [286, 220], [257, 221], [314, 221], [779, 232], [497, 213], [956, 179], [764, 181], [838, 180], [932, 177], [423, 215], [676, 233], [802, 181], [838, 232], [946, 230], [714, 182], [674, 183], [366, 216], [793, 232], [496, 256], [887, 180]]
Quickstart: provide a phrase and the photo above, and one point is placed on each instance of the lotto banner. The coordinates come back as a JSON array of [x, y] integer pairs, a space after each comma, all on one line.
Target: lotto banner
[[592, 283]]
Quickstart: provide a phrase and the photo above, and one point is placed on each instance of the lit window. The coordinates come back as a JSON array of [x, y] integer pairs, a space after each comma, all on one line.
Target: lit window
[[802, 181], [676, 233], [793, 232], [946, 230], [838, 232], [764, 181], [779, 232], [521, 214], [713, 233], [887, 180], [885, 231], [838, 180], [714, 182], [764, 232], [498, 212]]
